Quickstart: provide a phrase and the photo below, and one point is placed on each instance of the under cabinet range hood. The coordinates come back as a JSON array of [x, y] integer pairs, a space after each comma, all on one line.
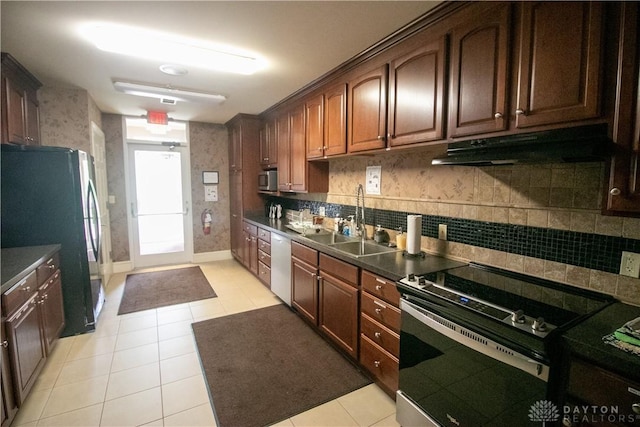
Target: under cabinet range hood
[[578, 144]]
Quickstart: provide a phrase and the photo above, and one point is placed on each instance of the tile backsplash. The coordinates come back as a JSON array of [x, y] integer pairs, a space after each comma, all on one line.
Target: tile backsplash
[[542, 220]]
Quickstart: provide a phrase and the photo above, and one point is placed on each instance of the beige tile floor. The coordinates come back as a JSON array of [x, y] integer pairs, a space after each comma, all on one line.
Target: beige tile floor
[[142, 369]]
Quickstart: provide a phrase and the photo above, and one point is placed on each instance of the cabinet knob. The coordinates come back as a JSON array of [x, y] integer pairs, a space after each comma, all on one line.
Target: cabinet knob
[[498, 115], [378, 287], [378, 310], [377, 363], [5, 343], [615, 191], [27, 289], [520, 112], [377, 335], [320, 148], [380, 137], [635, 407]]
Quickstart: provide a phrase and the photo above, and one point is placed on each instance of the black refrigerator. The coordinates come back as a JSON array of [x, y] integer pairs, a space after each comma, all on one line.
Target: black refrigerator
[[48, 196]]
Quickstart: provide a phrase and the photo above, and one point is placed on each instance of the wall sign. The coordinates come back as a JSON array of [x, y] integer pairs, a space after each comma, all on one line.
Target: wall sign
[[209, 177]]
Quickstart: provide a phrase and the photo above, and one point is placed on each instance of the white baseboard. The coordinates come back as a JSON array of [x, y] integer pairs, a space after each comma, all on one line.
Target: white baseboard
[[212, 256], [122, 266]]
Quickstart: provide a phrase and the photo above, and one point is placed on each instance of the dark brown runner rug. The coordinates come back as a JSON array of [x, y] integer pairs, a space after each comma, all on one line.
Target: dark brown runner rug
[[267, 365], [144, 291]]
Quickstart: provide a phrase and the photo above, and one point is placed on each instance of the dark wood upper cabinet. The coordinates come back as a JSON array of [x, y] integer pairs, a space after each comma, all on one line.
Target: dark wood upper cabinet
[[314, 110], [367, 111], [479, 64], [559, 63], [284, 152], [622, 193], [297, 145], [416, 95], [335, 120], [20, 108], [268, 145]]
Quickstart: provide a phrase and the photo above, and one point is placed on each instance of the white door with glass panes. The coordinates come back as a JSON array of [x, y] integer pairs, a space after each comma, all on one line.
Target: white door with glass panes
[[159, 203]]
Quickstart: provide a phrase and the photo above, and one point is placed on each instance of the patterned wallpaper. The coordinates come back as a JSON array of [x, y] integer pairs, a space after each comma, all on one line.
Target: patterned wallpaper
[[65, 117], [113, 133], [209, 152]]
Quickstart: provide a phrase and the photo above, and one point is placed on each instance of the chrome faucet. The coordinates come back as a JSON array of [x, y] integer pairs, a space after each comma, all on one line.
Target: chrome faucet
[[360, 222]]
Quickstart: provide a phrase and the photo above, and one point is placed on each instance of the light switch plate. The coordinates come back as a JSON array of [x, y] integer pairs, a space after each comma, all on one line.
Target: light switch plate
[[630, 264], [442, 231]]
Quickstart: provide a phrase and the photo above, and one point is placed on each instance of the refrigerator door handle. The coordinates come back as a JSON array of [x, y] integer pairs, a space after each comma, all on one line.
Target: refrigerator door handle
[[134, 214], [92, 200]]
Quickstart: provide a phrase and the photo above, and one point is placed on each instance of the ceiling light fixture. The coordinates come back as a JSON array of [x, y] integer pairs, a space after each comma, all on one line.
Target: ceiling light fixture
[[171, 48], [174, 70], [168, 93]]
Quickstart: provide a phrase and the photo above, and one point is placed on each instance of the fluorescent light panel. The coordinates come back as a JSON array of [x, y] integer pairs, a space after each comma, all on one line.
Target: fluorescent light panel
[[170, 48], [167, 92]]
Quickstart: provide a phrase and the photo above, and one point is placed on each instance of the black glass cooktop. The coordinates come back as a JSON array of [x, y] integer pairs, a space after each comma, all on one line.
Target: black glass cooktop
[[528, 303]]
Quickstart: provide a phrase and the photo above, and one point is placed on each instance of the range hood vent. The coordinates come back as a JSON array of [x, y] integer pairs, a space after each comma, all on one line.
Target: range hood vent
[[578, 144]]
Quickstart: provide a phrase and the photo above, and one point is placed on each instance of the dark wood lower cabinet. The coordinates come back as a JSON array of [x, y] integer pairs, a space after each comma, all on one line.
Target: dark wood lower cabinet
[[339, 312], [26, 347], [9, 406], [304, 292], [51, 310]]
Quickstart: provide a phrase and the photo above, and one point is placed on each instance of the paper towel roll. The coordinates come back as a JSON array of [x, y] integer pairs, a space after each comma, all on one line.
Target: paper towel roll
[[414, 232]]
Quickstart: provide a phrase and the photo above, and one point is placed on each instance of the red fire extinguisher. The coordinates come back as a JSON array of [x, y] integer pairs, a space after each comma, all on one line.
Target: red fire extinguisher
[[206, 221]]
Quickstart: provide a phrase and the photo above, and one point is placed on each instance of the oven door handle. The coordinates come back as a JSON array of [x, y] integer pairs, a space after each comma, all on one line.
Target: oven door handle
[[475, 341]]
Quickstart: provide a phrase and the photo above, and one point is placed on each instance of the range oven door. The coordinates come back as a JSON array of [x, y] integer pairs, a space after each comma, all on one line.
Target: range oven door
[[451, 376]]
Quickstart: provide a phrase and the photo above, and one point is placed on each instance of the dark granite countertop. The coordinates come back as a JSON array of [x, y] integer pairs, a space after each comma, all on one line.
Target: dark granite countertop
[[18, 262], [391, 265], [585, 340]]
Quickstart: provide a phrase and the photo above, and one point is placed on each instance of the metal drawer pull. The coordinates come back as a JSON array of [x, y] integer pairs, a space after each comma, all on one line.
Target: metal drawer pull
[[377, 363], [378, 310], [377, 334], [5, 343], [378, 287]]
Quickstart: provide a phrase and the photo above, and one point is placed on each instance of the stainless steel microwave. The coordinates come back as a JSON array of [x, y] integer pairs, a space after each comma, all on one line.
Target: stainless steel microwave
[[268, 181]]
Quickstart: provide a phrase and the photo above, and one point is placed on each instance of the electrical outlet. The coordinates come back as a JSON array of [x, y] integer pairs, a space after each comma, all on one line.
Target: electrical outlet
[[442, 231], [630, 264], [321, 211]]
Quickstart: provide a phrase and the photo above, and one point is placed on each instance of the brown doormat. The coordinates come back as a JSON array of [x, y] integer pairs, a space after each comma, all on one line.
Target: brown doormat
[[264, 366], [144, 291]]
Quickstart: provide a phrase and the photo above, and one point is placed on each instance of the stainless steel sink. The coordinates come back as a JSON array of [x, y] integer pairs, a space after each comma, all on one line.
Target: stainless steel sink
[[329, 238], [360, 249]]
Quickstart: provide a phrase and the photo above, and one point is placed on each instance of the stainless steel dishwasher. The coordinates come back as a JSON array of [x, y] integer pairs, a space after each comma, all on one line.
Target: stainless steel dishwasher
[[281, 267]]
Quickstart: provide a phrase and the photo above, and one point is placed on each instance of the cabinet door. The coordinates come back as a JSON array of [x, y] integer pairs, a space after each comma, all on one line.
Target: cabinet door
[[264, 146], [298, 160], [9, 407], [235, 204], [235, 148], [335, 120], [52, 310], [253, 254], [416, 90], [315, 127], [478, 95], [367, 111], [338, 314], [15, 114], [26, 347], [304, 289], [622, 195], [284, 156], [268, 146], [559, 66], [32, 118]]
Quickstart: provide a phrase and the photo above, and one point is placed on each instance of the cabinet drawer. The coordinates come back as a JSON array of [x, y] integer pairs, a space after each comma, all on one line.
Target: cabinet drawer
[[264, 258], [380, 363], [597, 386], [339, 269], [380, 287], [250, 228], [381, 311], [264, 273], [46, 269], [304, 253], [381, 335], [264, 246], [264, 235], [19, 293]]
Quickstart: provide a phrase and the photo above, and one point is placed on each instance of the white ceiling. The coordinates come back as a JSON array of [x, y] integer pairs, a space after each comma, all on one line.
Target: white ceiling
[[301, 40]]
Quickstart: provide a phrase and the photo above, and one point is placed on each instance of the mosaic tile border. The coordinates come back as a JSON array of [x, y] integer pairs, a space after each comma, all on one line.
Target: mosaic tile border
[[593, 251]]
